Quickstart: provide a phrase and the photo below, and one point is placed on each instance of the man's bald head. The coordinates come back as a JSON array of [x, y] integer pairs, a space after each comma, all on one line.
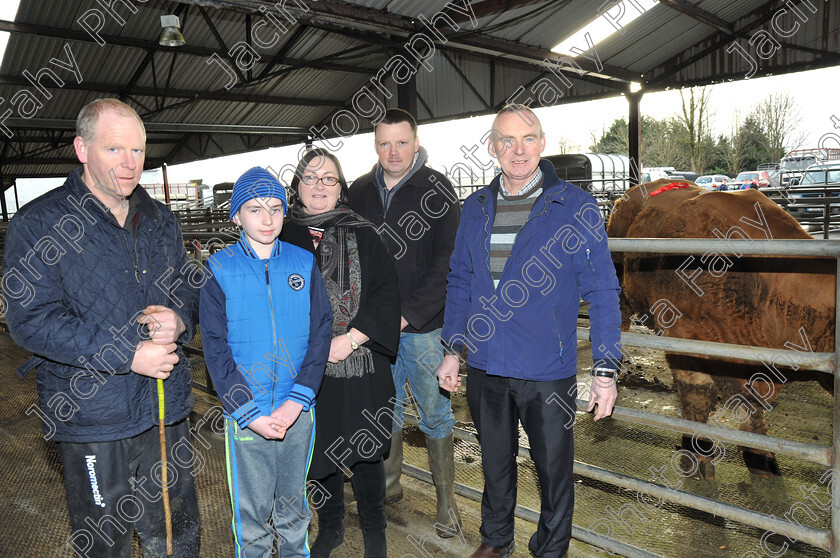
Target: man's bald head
[[523, 112]]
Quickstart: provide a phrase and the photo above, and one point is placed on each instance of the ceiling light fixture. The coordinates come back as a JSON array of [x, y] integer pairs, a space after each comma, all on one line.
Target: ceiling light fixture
[[171, 35]]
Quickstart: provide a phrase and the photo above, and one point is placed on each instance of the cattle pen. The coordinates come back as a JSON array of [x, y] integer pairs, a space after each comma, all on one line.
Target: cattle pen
[[823, 455], [827, 363]]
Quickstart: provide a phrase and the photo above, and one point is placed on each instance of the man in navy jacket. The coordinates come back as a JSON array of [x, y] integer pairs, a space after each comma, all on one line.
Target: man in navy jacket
[[529, 246], [98, 286]]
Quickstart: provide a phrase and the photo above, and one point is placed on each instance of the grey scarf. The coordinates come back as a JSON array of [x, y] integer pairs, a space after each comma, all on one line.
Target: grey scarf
[[338, 257]]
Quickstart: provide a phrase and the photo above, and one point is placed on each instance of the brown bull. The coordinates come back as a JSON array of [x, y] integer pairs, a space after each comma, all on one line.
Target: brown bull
[[776, 302]]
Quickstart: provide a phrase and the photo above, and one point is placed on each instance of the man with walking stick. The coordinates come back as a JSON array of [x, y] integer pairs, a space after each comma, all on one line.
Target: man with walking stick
[[98, 286]]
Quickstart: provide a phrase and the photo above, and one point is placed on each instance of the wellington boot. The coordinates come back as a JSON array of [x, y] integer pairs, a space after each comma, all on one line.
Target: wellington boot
[[442, 465], [393, 469]]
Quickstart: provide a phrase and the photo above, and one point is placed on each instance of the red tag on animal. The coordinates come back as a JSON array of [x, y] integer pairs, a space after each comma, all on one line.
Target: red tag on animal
[[671, 186]]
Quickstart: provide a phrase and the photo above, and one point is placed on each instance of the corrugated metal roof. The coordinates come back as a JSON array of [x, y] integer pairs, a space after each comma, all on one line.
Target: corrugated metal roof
[[527, 23]]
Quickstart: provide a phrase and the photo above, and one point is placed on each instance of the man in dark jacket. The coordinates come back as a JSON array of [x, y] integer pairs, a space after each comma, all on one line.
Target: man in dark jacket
[[102, 292], [528, 248], [416, 212]]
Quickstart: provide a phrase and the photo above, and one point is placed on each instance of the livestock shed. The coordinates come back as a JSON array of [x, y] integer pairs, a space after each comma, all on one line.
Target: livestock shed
[[261, 73]]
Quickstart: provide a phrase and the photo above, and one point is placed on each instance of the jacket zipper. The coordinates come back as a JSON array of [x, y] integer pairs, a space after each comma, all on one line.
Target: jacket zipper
[[559, 335], [540, 214], [128, 253], [589, 263], [273, 336], [136, 257], [486, 234]]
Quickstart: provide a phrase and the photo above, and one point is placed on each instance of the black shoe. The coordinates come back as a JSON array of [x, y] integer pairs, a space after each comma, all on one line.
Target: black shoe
[[327, 540], [485, 551], [375, 545]]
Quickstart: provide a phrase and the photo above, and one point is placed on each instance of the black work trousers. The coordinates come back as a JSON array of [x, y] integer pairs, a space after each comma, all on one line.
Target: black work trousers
[[114, 487], [545, 409]]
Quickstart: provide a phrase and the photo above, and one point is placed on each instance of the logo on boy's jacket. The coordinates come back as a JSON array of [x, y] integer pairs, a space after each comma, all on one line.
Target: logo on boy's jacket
[[296, 281]]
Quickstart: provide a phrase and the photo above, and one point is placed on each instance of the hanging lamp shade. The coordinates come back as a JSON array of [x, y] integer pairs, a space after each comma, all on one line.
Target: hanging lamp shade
[[171, 35]]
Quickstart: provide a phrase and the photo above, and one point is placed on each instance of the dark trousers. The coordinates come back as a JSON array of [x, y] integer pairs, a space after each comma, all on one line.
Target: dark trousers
[[369, 487], [114, 487], [497, 405]]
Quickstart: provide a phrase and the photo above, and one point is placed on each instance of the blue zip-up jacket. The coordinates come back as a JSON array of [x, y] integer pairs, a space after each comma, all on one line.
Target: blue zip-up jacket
[[266, 328], [527, 328], [75, 283]]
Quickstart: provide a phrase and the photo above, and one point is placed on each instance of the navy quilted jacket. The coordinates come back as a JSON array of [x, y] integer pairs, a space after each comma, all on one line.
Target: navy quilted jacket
[[75, 283]]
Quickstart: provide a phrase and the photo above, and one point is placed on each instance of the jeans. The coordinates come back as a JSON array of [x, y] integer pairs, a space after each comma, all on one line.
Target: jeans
[[419, 356], [267, 483]]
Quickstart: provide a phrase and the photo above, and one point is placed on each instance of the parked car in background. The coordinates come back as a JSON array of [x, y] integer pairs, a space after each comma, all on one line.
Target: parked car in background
[[793, 165], [654, 173], [750, 179], [712, 181], [651, 174], [818, 181]]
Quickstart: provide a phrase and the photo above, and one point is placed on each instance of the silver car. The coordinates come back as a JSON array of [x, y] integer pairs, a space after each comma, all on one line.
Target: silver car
[[712, 181], [819, 181]]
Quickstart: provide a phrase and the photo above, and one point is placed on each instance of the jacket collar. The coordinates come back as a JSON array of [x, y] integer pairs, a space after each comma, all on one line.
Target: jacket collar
[[145, 204], [248, 252], [553, 187]]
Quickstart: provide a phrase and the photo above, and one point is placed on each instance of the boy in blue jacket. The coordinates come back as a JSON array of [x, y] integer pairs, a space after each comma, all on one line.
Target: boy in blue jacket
[[266, 330]]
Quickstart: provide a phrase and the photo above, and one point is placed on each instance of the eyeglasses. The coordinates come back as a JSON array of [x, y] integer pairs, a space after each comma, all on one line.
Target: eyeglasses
[[311, 179]]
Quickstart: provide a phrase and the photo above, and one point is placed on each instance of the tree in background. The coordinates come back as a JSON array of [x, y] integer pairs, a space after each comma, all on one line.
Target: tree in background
[[565, 146], [685, 141], [694, 128], [778, 118], [657, 149], [616, 139]]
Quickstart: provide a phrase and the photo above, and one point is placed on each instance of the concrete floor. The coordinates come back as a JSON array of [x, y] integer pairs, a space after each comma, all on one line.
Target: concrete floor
[[34, 516], [34, 513]]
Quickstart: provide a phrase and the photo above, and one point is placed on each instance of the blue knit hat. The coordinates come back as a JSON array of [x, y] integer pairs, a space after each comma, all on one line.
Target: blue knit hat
[[256, 183]]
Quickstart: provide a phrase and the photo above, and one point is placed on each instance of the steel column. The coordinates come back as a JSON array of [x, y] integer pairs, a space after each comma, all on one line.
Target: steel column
[[634, 128], [835, 435]]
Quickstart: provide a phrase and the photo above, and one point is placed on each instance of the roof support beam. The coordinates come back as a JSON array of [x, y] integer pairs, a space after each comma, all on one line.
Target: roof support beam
[[163, 127], [493, 7], [718, 40], [221, 95], [281, 52], [378, 22], [221, 41], [699, 14], [129, 42]]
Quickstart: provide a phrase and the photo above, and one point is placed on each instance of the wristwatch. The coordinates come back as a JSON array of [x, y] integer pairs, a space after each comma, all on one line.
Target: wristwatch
[[353, 344], [605, 373]]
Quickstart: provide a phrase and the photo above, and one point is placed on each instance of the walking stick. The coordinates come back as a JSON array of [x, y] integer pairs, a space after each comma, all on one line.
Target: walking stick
[[164, 473]]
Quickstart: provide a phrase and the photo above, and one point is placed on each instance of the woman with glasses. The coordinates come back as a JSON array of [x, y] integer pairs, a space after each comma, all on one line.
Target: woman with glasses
[[354, 408]]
